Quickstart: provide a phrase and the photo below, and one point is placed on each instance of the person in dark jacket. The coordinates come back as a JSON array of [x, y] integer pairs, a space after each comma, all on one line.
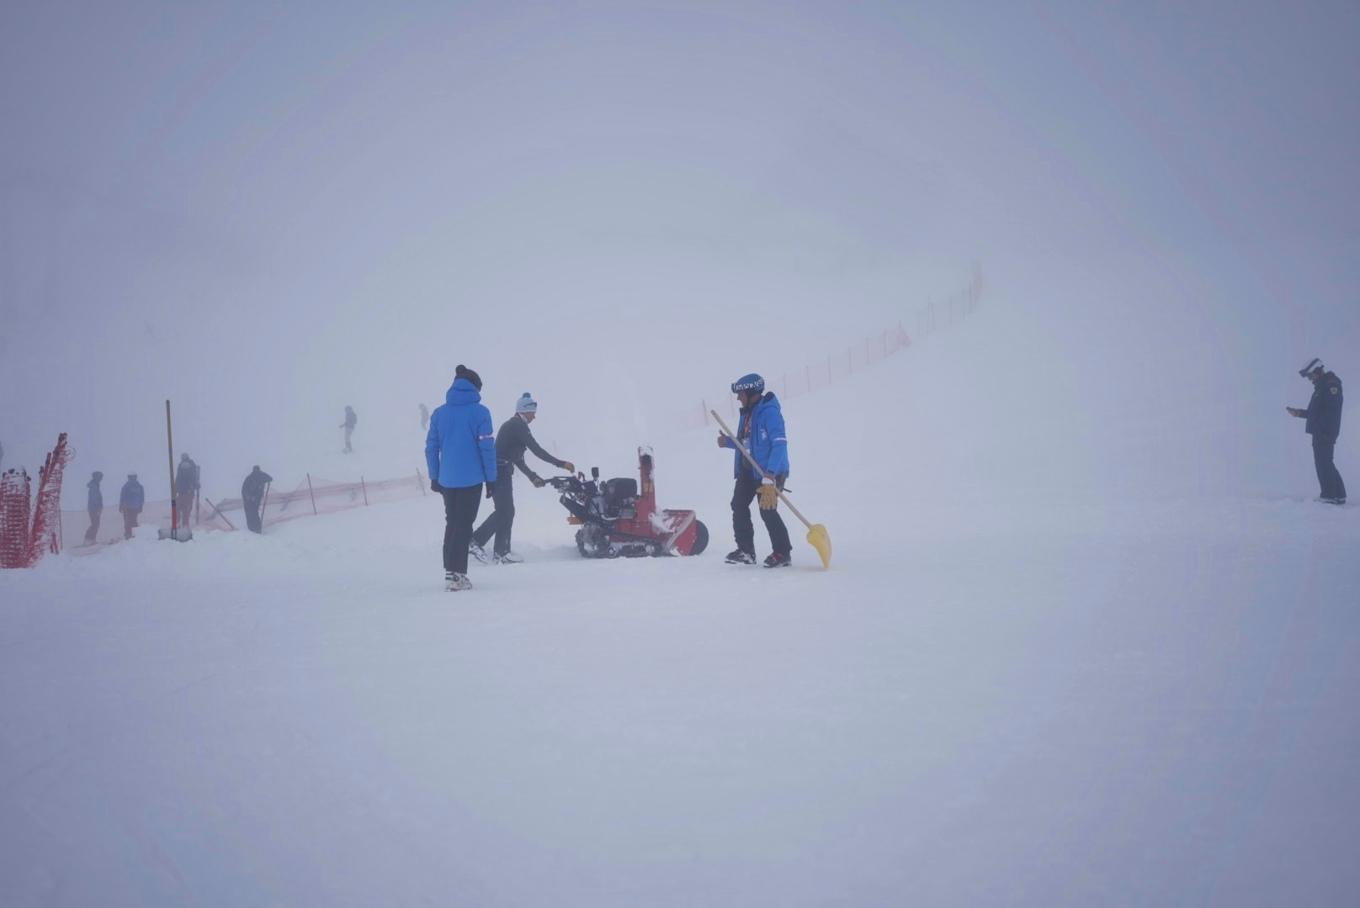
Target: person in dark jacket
[[460, 451], [130, 501], [94, 503], [351, 420], [513, 439], [1323, 422], [186, 488], [761, 431], [252, 494]]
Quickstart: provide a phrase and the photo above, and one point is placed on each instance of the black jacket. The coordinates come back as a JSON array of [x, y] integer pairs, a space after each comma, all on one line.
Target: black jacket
[[96, 500], [186, 478], [1324, 410], [253, 488], [512, 439]]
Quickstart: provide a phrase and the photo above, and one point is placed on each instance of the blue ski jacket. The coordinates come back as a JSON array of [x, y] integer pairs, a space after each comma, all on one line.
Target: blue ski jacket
[[131, 497], [460, 448], [761, 429], [1324, 410]]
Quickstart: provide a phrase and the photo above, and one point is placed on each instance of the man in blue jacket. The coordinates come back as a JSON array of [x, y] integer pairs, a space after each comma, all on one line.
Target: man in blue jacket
[[460, 451], [761, 431], [1323, 417], [131, 498]]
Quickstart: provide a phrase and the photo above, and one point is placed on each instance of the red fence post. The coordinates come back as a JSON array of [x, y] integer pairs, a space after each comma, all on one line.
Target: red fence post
[[365, 488]]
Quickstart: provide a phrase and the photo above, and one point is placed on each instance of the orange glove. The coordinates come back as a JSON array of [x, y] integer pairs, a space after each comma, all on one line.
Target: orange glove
[[769, 495]]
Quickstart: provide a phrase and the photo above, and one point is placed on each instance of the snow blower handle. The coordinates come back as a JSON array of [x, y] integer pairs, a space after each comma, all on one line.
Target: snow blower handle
[[752, 461]]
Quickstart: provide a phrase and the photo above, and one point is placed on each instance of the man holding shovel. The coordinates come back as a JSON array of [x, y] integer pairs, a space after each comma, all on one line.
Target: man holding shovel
[[760, 431]]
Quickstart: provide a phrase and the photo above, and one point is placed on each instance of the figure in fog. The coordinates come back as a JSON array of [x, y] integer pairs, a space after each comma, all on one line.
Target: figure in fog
[[424, 418], [761, 431], [1323, 415], [252, 494], [130, 501], [351, 420], [460, 451], [512, 440], [186, 488], [94, 503]]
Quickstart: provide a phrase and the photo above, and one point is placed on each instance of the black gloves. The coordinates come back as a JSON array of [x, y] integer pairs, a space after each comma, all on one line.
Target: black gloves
[[490, 487], [436, 487]]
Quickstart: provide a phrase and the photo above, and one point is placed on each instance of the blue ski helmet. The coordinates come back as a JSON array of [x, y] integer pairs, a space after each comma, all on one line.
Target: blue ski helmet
[[749, 382]]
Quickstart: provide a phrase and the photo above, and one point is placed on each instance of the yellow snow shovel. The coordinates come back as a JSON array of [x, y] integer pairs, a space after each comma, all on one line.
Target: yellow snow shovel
[[817, 536]]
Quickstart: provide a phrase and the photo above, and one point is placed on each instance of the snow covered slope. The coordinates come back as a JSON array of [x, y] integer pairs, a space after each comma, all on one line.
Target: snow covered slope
[[1003, 693]]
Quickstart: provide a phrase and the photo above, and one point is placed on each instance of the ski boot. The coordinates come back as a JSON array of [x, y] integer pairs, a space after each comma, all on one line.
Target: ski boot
[[737, 556], [507, 558], [476, 551], [778, 559], [454, 583]]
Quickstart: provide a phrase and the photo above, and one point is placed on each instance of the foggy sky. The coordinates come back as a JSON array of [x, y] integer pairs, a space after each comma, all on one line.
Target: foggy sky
[[266, 213]]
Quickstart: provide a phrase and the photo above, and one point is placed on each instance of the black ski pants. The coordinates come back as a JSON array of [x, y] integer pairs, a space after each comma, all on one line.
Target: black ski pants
[[742, 495], [1329, 478], [502, 520], [460, 512], [252, 508], [93, 531]]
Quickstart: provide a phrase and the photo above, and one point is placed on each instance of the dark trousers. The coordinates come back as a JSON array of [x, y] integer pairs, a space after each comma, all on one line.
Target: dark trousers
[[94, 526], [348, 434], [460, 512], [184, 508], [742, 495], [502, 520], [252, 509], [130, 521], [1328, 476]]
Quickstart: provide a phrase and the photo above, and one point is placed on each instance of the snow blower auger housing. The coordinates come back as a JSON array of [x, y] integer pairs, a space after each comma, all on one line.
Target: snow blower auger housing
[[619, 517]]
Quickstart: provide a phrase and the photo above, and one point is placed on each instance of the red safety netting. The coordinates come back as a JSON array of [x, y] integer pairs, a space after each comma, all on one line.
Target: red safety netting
[[311, 497], [838, 365], [31, 526]]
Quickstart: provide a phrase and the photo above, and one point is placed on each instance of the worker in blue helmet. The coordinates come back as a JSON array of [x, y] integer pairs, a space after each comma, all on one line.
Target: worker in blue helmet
[[760, 430]]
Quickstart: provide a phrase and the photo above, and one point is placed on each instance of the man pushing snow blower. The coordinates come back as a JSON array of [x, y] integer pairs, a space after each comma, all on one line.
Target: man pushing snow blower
[[512, 440]]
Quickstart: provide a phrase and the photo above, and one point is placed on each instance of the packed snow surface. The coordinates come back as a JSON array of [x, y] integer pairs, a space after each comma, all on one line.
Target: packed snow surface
[[1140, 704]]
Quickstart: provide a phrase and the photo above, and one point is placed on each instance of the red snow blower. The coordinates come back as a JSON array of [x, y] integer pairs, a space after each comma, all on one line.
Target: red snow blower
[[619, 518]]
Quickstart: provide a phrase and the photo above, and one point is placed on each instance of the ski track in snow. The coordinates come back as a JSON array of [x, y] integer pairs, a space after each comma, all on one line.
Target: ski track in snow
[[1071, 704]]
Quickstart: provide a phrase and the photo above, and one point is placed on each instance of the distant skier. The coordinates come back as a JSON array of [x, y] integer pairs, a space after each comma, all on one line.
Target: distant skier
[[424, 418], [186, 488], [511, 441], [252, 493], [351, 420], [460, 451], [130, 501], [1323, 417], [94, 503], [761, 431]]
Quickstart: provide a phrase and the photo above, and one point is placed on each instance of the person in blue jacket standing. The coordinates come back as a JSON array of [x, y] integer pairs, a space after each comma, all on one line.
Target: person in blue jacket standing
[[460, 451], [131, 498], [1323, 417], [761, 431]]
